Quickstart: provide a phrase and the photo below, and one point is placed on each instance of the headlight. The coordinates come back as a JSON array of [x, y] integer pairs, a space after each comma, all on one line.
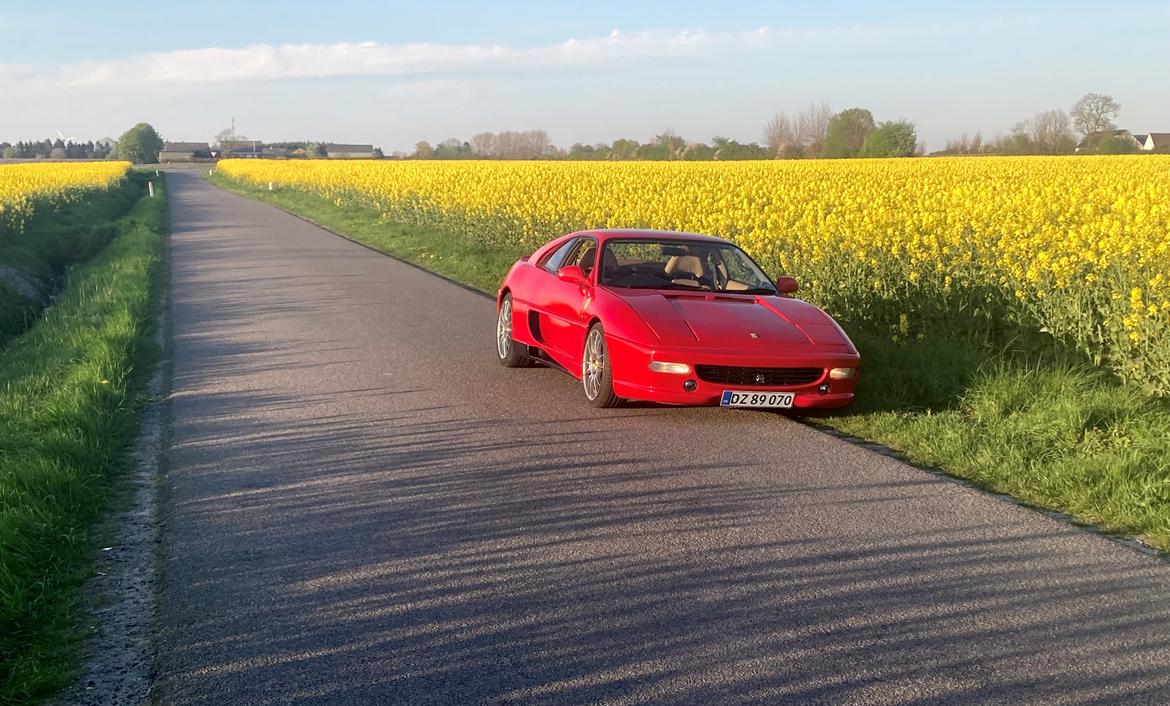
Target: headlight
[[842, 373], [659, 366]]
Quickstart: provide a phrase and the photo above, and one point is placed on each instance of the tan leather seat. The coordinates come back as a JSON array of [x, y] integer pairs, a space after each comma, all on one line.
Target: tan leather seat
[[684, 264], [588, 259]]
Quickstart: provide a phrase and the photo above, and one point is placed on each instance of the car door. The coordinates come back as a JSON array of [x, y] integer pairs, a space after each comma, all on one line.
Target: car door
[[568, 307], [541, 293], [558, 306]]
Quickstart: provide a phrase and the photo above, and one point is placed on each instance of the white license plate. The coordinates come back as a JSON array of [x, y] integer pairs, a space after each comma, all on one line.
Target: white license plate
[[744, 398]]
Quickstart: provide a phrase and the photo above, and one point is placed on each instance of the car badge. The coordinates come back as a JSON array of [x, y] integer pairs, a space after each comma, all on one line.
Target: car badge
[[753, 334], [760, 379]]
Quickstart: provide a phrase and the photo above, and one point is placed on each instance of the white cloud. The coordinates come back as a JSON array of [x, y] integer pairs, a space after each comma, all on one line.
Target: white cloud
[[267, 62]]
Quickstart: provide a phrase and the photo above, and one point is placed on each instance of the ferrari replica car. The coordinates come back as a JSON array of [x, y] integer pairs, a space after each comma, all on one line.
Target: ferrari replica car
[[675, 318]]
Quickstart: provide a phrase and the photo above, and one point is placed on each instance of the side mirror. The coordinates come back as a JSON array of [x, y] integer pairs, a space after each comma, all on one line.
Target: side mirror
[[786, 284], [573, 275]]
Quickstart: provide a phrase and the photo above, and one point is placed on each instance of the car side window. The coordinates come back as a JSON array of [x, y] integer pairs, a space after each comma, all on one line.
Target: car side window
[[584, 255], [553, 261]]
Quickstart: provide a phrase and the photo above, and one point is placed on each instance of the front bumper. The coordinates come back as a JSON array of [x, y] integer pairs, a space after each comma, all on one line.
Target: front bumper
[[633, 378]]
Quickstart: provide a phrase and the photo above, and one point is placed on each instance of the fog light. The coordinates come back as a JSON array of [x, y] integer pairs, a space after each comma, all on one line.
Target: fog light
[[690, 385], [659, 366], [842, 373], [824, 388]]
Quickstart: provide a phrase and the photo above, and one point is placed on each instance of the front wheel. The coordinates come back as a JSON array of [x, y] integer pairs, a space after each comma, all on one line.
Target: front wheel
[[511, 354], [596, 371]]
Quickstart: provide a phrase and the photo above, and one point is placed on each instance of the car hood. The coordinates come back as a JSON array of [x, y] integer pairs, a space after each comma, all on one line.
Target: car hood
[[720, 320]]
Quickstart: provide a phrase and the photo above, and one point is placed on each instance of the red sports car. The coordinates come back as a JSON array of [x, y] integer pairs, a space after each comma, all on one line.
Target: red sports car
[[671, 317]]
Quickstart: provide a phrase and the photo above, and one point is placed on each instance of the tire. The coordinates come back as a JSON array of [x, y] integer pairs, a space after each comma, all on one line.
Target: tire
[[596, 370], [510, 353]]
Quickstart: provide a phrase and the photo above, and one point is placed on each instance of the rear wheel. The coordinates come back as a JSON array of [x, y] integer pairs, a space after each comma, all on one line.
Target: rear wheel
[[596, 371], [511, 354]]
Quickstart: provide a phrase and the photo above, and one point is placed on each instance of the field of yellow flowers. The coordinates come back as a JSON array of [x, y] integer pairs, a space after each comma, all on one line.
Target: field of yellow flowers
[[1078, 247], [26, 187]]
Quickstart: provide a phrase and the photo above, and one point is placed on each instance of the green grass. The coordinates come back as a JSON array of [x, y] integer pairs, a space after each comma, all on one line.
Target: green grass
[[1021, 416], [54, 240], [71, 388]]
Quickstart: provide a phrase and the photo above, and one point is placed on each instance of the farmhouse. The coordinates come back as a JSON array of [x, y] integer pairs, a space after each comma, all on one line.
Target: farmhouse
[[184, 152], [1156, 142], [339, 151]]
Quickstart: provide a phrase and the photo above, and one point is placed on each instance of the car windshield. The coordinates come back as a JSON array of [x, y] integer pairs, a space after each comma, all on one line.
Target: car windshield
[[682, 264]]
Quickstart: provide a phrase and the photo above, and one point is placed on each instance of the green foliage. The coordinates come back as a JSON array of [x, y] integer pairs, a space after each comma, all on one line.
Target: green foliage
[[847, 133], [1116, 144], [140, 145], [892, 139], [69, 394]]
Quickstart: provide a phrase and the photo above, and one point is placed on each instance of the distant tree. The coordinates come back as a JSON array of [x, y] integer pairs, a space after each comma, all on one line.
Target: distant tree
[[1116, 144], [698, 152], [1094, 113], [623, 149], [423, 150], [896, 138], [814, 128], [315, 150], [140, 144], [671, 144], [484, 144], [847, 132], [1051, 132], [378, 153], [780, 136], [10, 152]]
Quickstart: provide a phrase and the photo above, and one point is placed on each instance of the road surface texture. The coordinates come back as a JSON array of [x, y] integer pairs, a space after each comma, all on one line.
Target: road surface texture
[[363, 507]]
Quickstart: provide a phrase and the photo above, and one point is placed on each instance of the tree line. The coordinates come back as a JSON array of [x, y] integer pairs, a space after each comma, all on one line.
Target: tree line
[[815, 132], [1088, 127], [55, 149]]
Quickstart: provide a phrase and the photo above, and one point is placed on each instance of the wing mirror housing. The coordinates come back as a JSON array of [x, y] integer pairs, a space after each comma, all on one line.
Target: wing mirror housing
[[786, 284], [573, 274]]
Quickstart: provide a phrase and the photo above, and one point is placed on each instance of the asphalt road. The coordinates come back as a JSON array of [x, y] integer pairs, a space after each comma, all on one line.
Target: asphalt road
[[363, 507]]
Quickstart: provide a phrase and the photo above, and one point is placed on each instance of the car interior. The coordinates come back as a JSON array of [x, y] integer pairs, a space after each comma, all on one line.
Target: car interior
[[694, 266], [664, 264]]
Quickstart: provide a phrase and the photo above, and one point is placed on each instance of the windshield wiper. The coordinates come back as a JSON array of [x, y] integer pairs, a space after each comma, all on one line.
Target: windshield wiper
[[752, 290]]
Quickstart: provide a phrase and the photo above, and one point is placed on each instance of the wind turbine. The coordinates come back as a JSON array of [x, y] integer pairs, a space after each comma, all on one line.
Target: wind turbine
[[64, 139]]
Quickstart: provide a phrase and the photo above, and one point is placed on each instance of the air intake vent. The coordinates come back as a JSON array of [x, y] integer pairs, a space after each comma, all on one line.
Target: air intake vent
[[762, 377]]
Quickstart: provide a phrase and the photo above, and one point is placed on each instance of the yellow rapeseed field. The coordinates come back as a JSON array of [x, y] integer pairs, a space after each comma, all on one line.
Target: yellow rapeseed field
[[25, 187], [1075, 246]]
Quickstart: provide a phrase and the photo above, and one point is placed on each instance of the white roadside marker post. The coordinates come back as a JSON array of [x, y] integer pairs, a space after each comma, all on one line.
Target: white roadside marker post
[[150, 188], [270, 186]]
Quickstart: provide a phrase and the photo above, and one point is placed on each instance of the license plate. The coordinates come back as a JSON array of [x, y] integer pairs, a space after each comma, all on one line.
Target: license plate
[[743, 398]]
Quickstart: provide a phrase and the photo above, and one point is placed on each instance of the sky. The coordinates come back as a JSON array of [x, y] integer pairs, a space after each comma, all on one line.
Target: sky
[[395, 73]]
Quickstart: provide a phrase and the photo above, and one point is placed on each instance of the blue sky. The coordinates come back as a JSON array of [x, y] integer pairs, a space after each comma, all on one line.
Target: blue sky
[[394, 73]]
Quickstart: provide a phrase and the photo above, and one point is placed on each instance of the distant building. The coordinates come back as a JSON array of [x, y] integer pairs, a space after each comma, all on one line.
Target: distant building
[[250, 150], [1156, 142], [184, 152], [349, 151]]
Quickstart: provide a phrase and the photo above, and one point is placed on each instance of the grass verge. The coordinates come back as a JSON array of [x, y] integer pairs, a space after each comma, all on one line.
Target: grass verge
[[54, 240], [1024, 418], [70, 393]]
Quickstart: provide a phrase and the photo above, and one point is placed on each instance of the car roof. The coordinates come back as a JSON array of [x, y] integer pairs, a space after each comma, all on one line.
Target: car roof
[[642, 233]]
